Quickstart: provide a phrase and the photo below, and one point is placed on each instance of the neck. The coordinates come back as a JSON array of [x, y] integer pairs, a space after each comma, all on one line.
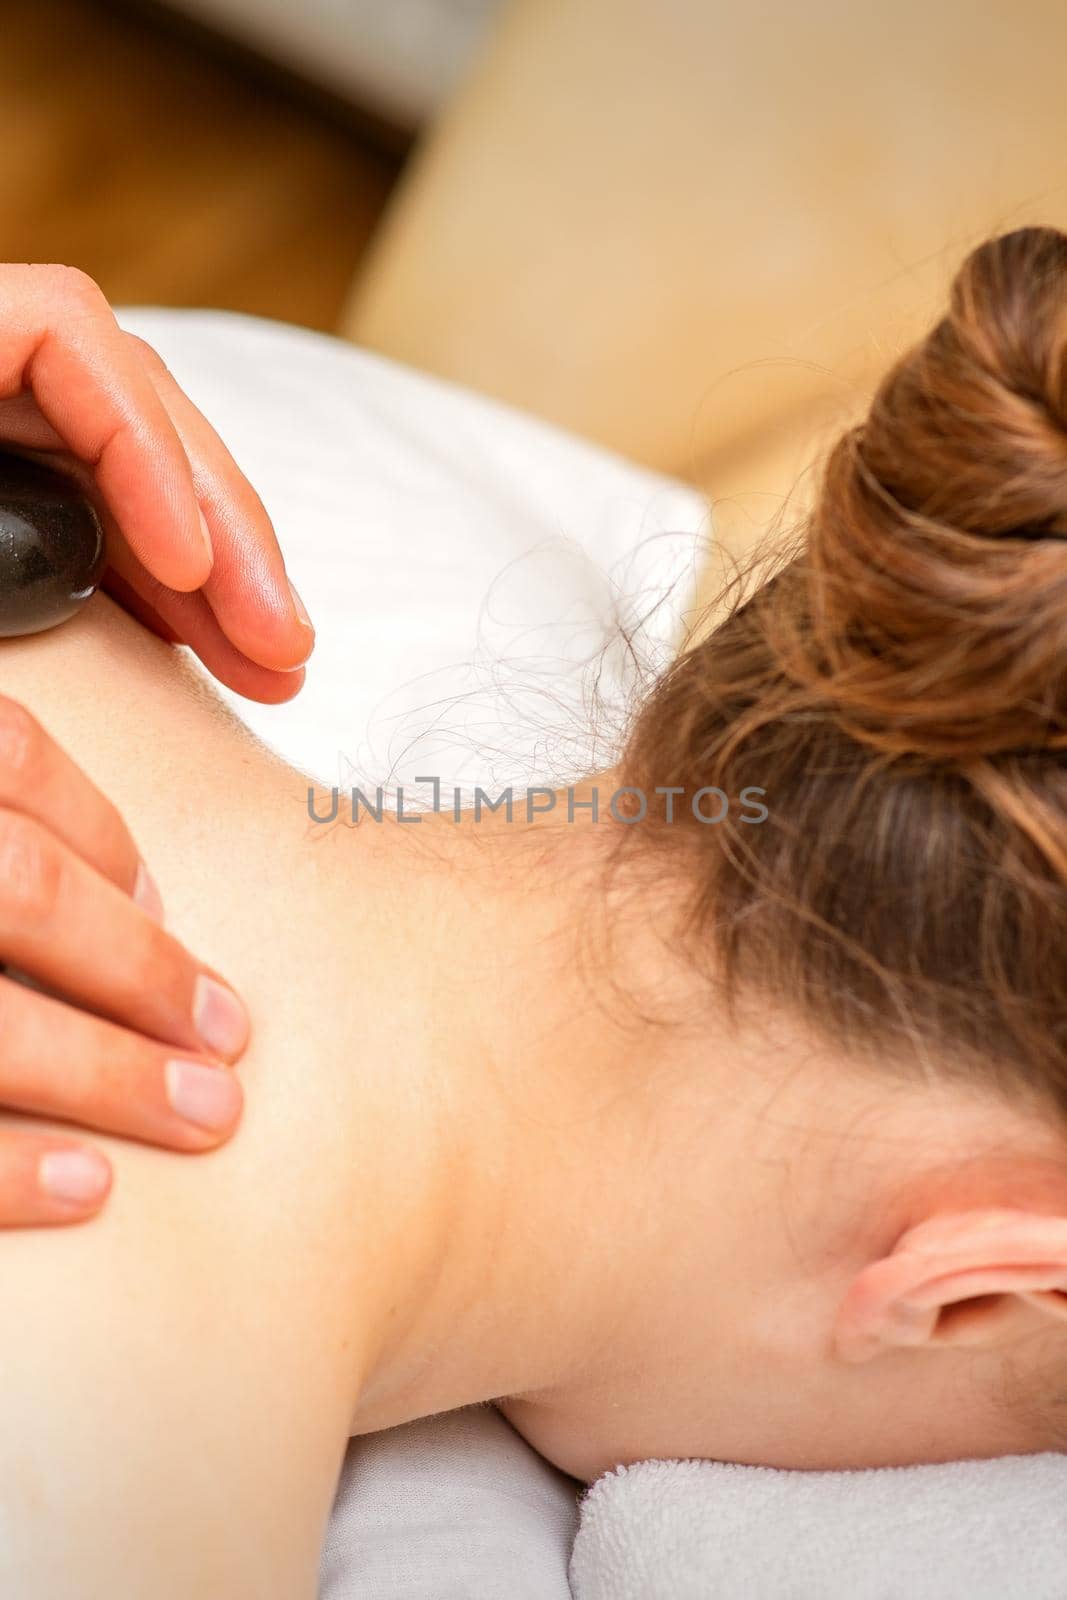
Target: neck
[[530, 1083], [585, 1162]]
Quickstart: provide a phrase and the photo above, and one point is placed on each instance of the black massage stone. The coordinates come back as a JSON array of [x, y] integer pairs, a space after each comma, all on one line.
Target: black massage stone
[[51, 547]]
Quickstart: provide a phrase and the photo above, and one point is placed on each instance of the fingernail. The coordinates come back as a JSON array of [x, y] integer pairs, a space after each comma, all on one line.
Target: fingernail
[[221, 1019], [206, 531], [146, 893], [299, 607], [208, 1096], [78, 1176]]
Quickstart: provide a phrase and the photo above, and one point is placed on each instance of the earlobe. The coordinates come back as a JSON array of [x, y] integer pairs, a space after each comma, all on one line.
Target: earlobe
[[966, 1277]]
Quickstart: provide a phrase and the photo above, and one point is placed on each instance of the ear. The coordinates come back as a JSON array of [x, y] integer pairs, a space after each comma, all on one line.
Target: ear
[[964, 1277]]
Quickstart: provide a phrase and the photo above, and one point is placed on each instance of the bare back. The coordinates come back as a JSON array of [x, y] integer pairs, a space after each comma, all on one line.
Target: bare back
[[226, 1293]]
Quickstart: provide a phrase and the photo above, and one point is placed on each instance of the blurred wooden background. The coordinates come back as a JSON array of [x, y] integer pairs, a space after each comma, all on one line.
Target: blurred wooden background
[[698, 234], [701, 233], [174, 173]]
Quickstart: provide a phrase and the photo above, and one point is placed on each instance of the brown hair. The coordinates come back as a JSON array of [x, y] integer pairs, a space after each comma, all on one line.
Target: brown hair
[[898, 687]]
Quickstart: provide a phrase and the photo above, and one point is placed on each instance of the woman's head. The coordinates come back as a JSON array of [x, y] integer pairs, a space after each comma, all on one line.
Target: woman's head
[[898, 689], [823, 1223]]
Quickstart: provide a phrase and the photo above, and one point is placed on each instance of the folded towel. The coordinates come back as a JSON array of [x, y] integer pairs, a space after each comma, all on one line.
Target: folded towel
[[709, 1530]]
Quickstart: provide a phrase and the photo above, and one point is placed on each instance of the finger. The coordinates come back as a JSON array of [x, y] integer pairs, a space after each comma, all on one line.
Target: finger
[[73, 931], [61, 341], [189, 619], [56, 1061], [40, 781], [45, 1180], [257, 608], [22, 425]]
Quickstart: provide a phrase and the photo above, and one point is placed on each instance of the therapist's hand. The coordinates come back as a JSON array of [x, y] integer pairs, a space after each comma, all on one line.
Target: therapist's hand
[[139, 1049], [191, 550]]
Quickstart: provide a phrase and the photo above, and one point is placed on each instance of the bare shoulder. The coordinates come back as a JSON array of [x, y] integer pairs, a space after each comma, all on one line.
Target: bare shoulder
[[194, 1355]]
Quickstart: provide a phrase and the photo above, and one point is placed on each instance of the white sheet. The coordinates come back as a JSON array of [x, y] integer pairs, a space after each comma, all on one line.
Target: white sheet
[[464, 564], [456, 1507]]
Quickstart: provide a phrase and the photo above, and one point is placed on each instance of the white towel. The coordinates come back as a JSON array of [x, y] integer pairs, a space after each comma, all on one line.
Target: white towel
[[709, 1530]]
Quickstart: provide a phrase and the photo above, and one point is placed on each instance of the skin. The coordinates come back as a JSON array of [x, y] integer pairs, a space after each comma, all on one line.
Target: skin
[[470, 1169], [192, 553]]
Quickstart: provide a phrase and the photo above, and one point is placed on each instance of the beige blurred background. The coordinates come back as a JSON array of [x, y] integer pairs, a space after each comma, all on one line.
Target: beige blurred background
[[695, 232]]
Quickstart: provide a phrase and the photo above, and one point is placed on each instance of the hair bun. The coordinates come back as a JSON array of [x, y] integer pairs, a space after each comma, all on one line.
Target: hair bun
[[936, 560]]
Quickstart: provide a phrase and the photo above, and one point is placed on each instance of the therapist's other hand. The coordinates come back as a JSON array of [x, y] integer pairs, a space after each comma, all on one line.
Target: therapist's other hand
[[191, 550], [120, 1028]]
